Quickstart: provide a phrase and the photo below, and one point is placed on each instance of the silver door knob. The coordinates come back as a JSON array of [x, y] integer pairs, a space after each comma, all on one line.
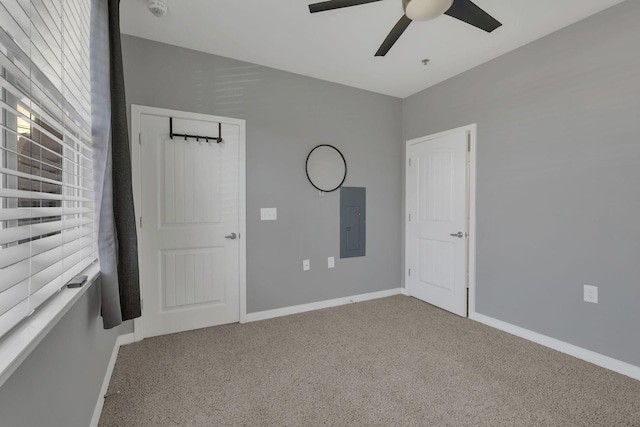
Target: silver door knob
[[458, 234], [231, 236]]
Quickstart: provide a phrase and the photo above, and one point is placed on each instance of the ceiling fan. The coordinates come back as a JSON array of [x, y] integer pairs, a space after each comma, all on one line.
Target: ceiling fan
[[420, 10]]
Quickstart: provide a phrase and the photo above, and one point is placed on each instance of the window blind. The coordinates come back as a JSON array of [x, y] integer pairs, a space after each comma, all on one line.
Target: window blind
[[46, 195]]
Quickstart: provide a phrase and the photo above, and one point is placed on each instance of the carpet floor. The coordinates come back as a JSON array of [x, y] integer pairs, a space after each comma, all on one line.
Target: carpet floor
[[389, 362]]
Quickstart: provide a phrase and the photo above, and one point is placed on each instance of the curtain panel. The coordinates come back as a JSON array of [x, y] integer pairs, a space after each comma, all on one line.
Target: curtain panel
[[115, 216]]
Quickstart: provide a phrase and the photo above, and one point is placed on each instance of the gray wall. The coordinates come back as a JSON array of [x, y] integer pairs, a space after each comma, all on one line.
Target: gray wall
[[287, 115], [558, 204], [64, 374]]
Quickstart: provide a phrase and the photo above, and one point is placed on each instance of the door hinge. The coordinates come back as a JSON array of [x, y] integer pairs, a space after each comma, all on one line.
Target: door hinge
[[140, 138], [469, 143], [409, 161], [409, 217], [409, 272], [140, 222]]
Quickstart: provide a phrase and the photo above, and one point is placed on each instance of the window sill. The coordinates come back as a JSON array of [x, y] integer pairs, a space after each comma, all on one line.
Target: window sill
[[19, 343]]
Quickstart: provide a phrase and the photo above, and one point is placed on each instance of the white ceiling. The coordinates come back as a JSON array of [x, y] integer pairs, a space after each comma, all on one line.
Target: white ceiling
[[339, 45]]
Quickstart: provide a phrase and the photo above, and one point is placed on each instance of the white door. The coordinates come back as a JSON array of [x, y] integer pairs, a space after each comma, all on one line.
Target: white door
[[436, 227], [189, 194]]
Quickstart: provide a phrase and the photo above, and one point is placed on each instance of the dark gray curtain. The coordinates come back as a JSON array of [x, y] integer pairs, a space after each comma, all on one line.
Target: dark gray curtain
[[115, 218], [128, 274]]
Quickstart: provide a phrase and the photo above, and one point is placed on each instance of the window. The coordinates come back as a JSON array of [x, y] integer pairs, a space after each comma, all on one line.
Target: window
[[46, 196]]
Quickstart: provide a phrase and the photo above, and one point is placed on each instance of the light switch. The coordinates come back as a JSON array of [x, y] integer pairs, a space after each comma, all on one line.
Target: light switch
[[331, 262], [268, 214], [305, 265]]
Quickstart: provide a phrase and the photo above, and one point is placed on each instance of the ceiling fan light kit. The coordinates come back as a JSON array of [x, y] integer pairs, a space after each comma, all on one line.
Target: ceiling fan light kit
[[423, 10], [420, 10]]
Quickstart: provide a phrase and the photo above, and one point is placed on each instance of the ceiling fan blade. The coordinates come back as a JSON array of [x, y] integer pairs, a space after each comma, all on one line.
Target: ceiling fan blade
[[336, 4], [467, 11], [394, 35]]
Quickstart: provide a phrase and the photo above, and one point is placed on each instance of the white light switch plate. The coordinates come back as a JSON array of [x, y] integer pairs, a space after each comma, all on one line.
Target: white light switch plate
[[306, 265], [268, 214], [331, 262]]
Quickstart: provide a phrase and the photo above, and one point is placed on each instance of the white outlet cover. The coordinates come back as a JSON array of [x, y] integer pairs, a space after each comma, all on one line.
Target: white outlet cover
[[591, 294], [331, 262], [268, 214], [306, 265]]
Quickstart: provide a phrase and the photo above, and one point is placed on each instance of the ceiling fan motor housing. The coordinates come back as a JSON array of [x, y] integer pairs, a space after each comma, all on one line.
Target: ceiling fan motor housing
[[423, 10], [419, 10]]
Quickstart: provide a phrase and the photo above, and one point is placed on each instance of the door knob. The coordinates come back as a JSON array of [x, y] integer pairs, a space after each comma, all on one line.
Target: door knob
[[458, 234], [231, 236]]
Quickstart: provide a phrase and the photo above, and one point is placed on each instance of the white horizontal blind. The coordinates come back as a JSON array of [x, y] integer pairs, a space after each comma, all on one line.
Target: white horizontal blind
[[46, 196]]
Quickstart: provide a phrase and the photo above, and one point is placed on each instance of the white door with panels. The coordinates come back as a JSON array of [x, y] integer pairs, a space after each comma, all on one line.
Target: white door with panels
[[436, 224], [190, 214]]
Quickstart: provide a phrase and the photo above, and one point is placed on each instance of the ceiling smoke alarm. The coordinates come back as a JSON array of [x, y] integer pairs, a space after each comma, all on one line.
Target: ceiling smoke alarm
[[157, 7]]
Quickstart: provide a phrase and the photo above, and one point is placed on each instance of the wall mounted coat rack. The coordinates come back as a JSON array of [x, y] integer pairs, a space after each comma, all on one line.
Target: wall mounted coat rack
[[186, 136]]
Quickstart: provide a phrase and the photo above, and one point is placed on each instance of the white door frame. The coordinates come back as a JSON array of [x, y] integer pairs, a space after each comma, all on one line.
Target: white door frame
[[136, 112], [471, 207]]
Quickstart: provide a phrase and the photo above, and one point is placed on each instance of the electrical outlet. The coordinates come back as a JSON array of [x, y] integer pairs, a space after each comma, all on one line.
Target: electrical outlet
[[268, 214], [305, 265], [331, 262], [591, 294]]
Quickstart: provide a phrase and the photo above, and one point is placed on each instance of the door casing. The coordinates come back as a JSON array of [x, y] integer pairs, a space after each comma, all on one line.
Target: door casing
[[471, 130], [136, 112]]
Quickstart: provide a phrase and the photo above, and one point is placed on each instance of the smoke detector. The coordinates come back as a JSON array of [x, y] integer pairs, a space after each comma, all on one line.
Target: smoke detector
[[157, 7]]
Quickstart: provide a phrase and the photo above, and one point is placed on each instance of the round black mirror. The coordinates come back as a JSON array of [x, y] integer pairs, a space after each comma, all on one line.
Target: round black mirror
[[326, 168]]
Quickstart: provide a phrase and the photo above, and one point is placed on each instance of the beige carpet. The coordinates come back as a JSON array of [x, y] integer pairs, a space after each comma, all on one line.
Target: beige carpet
[[390, 362]]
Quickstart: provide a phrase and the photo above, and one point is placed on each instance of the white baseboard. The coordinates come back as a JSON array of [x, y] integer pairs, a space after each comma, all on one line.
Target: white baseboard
[[286, 311], [561, 346], [120, 341], [405, 292]]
